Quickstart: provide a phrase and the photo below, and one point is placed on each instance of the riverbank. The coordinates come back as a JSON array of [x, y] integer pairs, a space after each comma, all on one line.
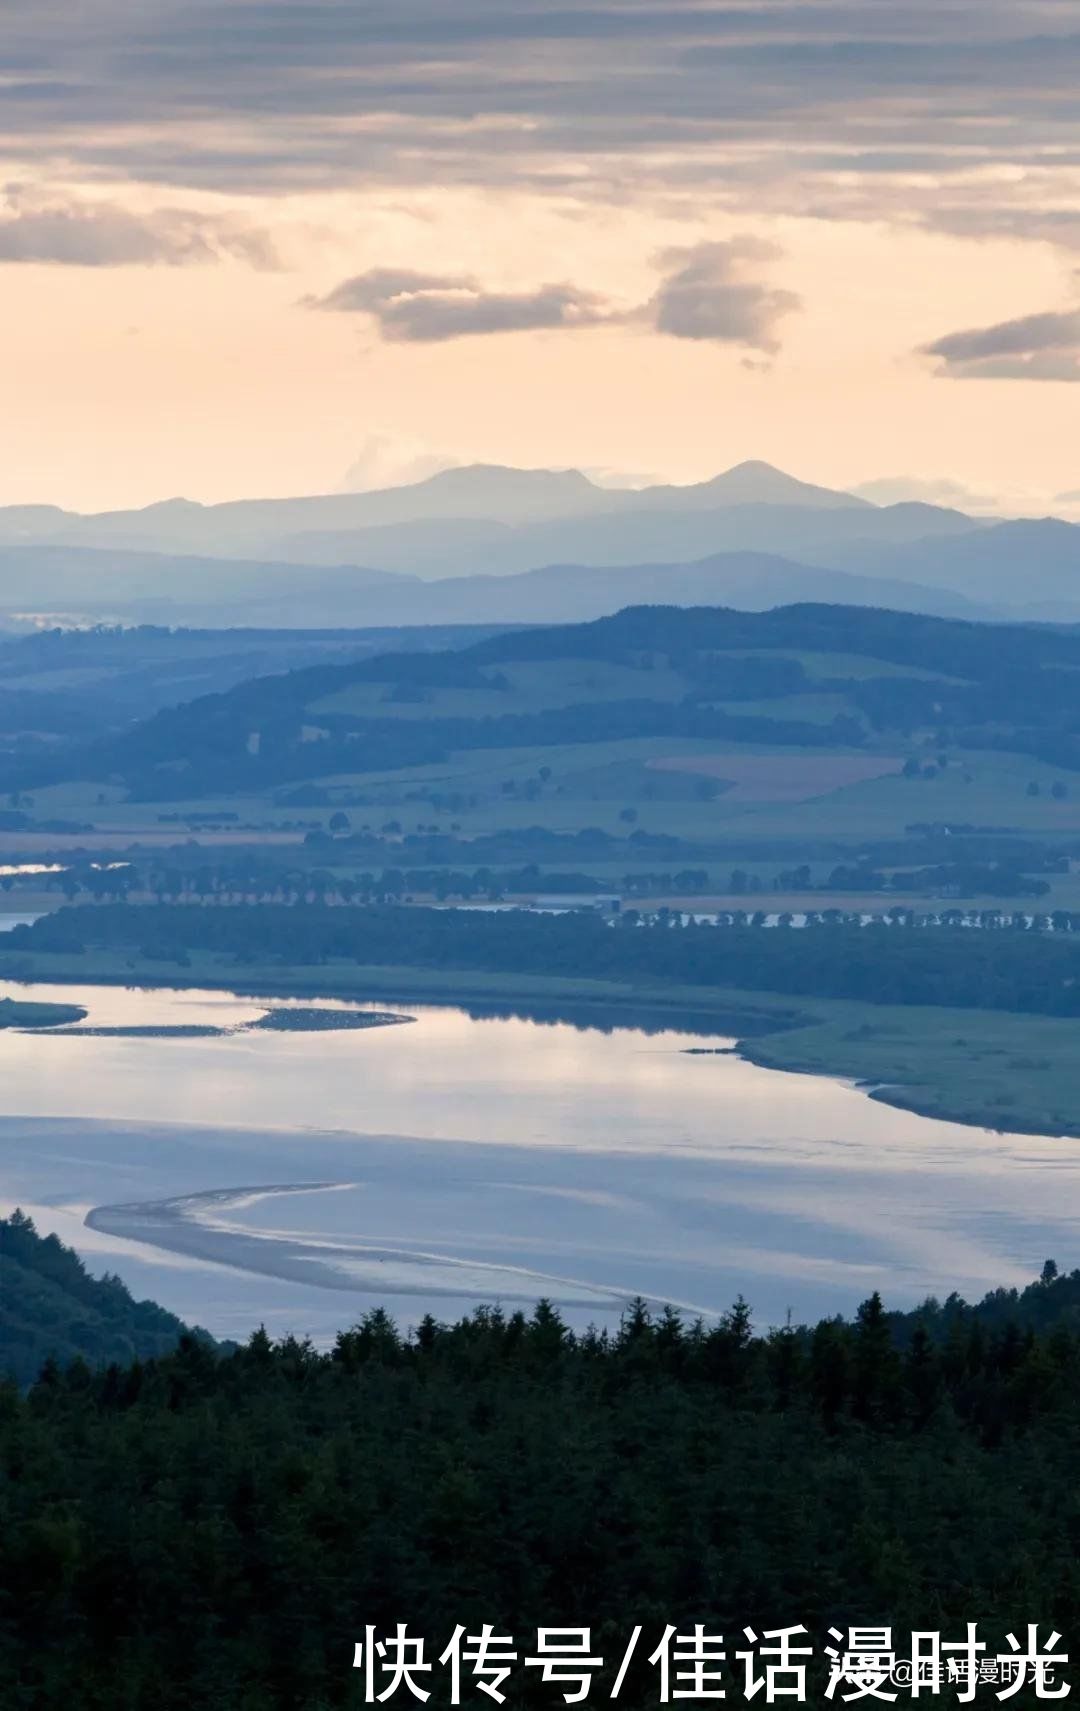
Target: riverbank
[[992, 1069], [598, 1002]]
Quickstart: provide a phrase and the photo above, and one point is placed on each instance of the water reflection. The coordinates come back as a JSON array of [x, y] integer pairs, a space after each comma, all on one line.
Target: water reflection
[[472, 1156]]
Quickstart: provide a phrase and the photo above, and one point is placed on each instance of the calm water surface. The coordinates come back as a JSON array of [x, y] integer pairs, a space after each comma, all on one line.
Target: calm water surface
[[298, 1178]]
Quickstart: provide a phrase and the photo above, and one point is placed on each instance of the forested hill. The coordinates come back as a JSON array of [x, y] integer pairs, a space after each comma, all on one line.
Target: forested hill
[[219, 1533], [665, 672], [948, 645], [51, 1308]]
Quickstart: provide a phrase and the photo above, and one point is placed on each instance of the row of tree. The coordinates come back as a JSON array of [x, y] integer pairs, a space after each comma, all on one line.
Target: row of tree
[[1021, 970]]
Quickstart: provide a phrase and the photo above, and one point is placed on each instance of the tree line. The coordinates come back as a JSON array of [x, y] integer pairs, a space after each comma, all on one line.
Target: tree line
[[216, 1529], [899, 963]]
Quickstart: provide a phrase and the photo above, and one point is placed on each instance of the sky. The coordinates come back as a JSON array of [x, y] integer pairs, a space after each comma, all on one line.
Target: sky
[[284, 246]]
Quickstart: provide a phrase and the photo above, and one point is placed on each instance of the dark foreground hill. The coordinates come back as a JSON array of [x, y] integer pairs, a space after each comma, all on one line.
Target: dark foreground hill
[[51, 1308], [220, 1533]]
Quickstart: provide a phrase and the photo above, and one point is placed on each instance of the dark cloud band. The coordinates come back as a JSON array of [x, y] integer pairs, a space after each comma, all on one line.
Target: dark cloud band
[[1032, 347], [238, 94]]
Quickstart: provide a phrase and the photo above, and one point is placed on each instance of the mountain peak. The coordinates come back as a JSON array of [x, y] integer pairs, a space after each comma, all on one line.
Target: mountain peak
[[756, 466], [173, 507], [501, 492], [755, 482]]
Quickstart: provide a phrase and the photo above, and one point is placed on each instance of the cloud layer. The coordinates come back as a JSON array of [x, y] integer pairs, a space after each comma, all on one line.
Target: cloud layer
[[1032, 347], [242, 94]]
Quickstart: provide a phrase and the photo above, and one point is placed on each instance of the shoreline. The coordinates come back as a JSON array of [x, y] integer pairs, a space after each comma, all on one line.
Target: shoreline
[[996, 1070], [487, 1218]]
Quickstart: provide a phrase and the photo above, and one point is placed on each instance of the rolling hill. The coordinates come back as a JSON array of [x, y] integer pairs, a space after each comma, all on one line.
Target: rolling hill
[[815, 678], [1031, 565], [748, 581], [99, 585], [84, 680], [91, 585], [465, 546]]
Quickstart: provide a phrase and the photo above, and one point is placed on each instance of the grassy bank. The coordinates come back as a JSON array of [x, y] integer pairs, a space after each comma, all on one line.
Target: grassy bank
[[995, 1069], [992, 1068]]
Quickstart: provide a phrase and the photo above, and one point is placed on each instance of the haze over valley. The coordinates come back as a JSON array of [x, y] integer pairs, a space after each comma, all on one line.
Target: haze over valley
[[528, 546]]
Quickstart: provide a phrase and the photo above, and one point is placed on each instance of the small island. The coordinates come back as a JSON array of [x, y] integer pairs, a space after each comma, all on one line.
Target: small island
[[55, 1019], [16, 1014], [285, 1019]]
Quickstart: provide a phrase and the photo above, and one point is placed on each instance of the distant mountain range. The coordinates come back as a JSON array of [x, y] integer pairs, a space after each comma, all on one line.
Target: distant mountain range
[[104, 585], [96, 586], [256, 528], [486, 544]]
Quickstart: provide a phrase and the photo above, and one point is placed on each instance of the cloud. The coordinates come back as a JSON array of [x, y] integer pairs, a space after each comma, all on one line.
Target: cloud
[[1030, 224], [1032, 347], [706, 295], [425, 308], [278, 94], [68, 233], [389, 459], [928, 490], [620, 480]]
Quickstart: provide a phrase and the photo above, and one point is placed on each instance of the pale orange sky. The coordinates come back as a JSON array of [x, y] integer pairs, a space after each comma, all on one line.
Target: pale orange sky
[[154, 260]]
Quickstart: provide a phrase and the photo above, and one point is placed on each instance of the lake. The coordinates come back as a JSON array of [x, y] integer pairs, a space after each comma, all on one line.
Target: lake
[[299, 1178]]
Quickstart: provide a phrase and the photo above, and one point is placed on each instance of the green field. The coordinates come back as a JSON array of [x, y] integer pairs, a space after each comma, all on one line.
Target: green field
[[828, 695], [586, 785], [820, 664], [977, 787], [998, 1070], [530, 687]]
